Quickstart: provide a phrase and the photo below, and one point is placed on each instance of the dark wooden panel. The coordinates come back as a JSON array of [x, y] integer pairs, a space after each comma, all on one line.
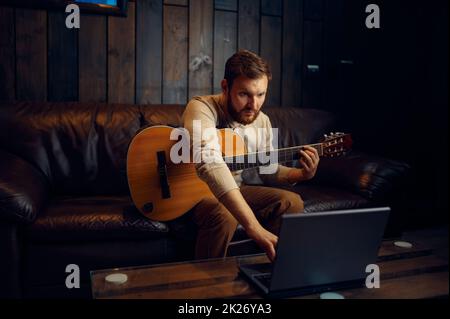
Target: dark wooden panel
[[121, 57], [249, 20], [176, 2], [333, 35], [31, 54], [175, 50], [149, 51], [92, 59], [226, 5], [200, 47], [7, 55], [312, 68], [292, 53], [313, 9], [225, 42], [271, 7], [62, 59], [271, 33]]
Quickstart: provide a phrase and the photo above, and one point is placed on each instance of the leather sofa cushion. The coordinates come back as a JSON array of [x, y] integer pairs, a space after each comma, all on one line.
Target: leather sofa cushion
[[163, 114], [79, 147], [319, 198], [23, 189], [299, 126], [93, 219], [373, 177]]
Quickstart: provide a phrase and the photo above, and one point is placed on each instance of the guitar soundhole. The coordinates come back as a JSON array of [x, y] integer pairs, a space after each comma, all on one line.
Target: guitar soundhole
[[147, 208]]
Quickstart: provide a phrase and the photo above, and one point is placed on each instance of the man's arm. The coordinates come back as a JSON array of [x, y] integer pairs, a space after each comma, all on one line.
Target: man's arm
[[219, 178], [238, 207]]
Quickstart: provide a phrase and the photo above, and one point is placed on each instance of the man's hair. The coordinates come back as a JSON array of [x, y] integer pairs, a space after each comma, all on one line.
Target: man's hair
[[248, 64]]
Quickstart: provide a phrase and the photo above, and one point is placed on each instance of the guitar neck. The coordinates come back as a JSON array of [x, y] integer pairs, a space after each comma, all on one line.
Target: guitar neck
[[256, 159]]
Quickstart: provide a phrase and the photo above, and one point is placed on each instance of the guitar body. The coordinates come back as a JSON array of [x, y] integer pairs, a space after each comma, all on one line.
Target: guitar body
[[161, 189]]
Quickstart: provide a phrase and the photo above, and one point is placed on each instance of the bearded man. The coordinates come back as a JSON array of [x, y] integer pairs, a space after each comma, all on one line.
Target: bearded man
[[257, 208]]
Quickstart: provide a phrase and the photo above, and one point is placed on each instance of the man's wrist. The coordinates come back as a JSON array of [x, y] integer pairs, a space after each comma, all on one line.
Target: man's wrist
[[252, 228], [295, 176]]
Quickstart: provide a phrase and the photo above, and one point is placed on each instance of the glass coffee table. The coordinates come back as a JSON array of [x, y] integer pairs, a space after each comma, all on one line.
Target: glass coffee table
[[406, 272], [212, 278]]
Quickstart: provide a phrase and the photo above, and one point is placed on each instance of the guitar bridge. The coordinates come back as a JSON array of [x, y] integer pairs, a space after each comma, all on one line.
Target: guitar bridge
[[162, 172]]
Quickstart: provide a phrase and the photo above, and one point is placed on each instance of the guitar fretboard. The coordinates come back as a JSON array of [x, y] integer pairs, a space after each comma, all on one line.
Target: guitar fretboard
[[283, 155]]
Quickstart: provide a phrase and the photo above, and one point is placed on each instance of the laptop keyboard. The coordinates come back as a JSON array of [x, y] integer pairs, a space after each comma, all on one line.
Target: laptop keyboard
[[264, 279]]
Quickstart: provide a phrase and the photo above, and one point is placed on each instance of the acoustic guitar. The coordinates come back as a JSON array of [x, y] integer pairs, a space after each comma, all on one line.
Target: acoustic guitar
[[163, 190]]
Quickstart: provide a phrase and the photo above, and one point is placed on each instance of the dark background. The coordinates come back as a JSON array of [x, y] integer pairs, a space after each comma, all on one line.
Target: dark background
[[389, 86]]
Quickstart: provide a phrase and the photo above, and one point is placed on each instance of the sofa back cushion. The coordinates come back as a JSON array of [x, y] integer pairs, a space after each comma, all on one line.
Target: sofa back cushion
[[81, 147], [78, 147]]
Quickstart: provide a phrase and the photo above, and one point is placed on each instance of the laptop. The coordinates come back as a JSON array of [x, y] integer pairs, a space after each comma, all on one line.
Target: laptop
[[318, 252]]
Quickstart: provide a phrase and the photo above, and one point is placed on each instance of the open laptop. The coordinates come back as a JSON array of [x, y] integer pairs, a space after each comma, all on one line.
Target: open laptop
[[320, 252]]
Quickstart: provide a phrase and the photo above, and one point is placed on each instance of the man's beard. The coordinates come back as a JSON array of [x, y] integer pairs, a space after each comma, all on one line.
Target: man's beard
[[240, 116]]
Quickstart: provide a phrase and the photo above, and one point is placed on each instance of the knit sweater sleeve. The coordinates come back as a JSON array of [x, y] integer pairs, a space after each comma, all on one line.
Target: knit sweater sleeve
[[200, 119]]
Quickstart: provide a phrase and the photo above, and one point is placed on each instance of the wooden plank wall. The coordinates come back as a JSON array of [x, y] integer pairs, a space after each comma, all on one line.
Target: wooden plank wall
[[225, 39], [7, 54], [121, 58], [31, 55], [201, 22], [62, 59], [292, 53], [164, 51], [92, 59], [149, 51], [175, 48]]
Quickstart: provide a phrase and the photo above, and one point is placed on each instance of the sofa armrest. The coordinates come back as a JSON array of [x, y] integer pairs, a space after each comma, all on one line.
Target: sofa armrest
[[23, 189], [375, 178]]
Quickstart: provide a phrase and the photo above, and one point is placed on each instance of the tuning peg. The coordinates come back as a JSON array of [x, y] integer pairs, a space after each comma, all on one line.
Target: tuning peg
[[325, 135]]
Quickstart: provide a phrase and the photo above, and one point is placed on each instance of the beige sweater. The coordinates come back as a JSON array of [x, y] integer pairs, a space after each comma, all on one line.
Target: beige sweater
[[210, 112]]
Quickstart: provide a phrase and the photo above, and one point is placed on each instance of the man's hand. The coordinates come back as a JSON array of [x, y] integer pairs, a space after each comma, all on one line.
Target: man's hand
[[309, 160], [265, 239]]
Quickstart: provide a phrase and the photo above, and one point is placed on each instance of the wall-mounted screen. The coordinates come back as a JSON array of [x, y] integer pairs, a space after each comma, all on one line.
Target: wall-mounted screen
[[112, 7]]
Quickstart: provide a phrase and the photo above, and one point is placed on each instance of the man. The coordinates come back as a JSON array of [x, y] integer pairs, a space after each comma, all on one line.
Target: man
[[258, 209]]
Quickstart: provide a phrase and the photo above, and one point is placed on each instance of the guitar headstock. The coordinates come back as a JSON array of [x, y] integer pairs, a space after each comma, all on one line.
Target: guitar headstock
[[336, 144]]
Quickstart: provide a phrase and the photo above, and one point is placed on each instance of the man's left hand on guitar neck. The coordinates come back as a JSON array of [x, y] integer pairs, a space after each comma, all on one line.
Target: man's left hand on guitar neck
[[310, 161]]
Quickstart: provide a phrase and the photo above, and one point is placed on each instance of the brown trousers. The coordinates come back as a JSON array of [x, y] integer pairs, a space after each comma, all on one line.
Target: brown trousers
[[216, 225]]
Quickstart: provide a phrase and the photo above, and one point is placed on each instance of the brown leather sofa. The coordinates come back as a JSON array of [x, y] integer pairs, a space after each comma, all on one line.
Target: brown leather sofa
[[64, 196]]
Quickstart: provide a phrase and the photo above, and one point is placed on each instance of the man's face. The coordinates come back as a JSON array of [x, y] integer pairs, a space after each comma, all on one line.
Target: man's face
[[245, 98]]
